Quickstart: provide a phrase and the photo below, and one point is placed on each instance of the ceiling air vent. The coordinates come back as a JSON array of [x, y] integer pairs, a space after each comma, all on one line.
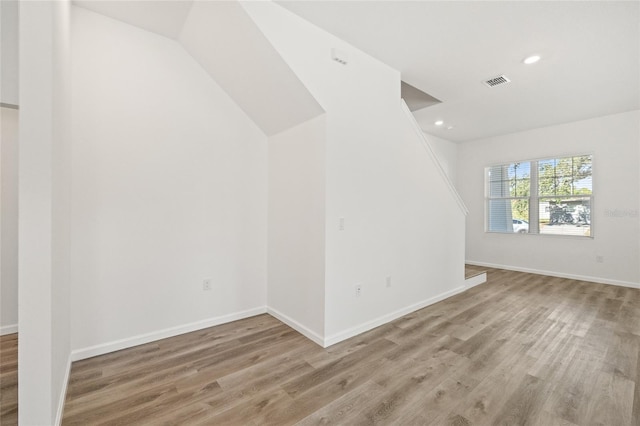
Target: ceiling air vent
[[497, 81]]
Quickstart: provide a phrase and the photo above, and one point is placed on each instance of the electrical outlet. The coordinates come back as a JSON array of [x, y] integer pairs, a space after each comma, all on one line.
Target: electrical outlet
[[388, 281], [358, 289], [600, 259], [341, 224], [206, 284]]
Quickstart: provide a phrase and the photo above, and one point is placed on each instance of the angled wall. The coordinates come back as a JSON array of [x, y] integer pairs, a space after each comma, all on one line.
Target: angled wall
[[169, 189], [164, 17], [229, 46], [398, 215], [447, 153], [170, 186]]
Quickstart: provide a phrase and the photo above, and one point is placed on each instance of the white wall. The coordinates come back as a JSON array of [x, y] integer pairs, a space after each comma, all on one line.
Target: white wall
[[43, 353], [400, 219], [169, 188], [9, 52], [61, 211], [614, 142], [447, 153], [224, 40], [9, 221], [297, 226]]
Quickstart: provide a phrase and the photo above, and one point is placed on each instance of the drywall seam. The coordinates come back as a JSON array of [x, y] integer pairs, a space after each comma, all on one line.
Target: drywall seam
[[598, 280], [369, 325], [104, 348]]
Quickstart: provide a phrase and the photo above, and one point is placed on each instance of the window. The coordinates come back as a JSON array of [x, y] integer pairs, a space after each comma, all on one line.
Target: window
[[550, 196]]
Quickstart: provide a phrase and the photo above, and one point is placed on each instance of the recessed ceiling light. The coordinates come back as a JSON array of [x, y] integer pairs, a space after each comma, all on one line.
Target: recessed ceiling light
[[531, 59], [439, 123], [449, 127]]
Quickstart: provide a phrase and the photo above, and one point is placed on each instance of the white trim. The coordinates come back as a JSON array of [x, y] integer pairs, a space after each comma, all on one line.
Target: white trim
[[116, 345], [476, 280], [8, 329], [599, 280], [309, 334], [63, 393], [354, 331]]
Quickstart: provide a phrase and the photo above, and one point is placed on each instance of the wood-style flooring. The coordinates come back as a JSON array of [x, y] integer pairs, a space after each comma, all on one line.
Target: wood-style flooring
[[9, 379], [520, 349], [471, 271]]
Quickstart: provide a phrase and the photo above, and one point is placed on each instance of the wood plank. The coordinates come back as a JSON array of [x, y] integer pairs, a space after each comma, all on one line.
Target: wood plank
[[524, 404], [348, 409], [520, 349], [9, 379], [635, 415], [573, 389], [611, 401]]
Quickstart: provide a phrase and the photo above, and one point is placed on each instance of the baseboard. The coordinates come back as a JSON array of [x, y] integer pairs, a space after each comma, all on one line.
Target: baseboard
[[599, 280], [141, 339], [310, 334], [8, 329], [476, 280], [63, 393], [354, 331]]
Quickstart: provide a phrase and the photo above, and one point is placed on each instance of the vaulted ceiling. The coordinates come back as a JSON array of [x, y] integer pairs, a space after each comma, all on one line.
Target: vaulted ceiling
[[224, 40], [590, 53]]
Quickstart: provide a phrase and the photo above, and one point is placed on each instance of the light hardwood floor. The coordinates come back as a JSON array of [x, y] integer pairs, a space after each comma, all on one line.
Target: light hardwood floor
[[9, 379], [520, 349]]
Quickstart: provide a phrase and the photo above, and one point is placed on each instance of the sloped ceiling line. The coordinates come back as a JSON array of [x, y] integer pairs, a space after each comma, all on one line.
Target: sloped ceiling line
[[225, 41], [442, 48]]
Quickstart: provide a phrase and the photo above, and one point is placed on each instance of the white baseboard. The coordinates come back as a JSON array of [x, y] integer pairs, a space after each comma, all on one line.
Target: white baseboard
[[354, 331], [599, 280], [141, 339], [476, 280], [310, 334], [8, 329], [104, 348], [63, 393]]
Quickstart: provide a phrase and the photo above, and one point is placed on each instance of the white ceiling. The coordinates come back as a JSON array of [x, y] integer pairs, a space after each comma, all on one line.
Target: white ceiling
[[164, 17], [223, 39], [590, 57], [590, 54], [231, 48]]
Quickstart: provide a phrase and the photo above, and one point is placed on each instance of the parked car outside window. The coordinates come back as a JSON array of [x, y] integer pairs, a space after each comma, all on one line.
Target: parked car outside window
[[521, 226]]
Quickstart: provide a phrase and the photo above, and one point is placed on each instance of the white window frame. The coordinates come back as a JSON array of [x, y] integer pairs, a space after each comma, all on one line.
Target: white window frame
[[534, 197]]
